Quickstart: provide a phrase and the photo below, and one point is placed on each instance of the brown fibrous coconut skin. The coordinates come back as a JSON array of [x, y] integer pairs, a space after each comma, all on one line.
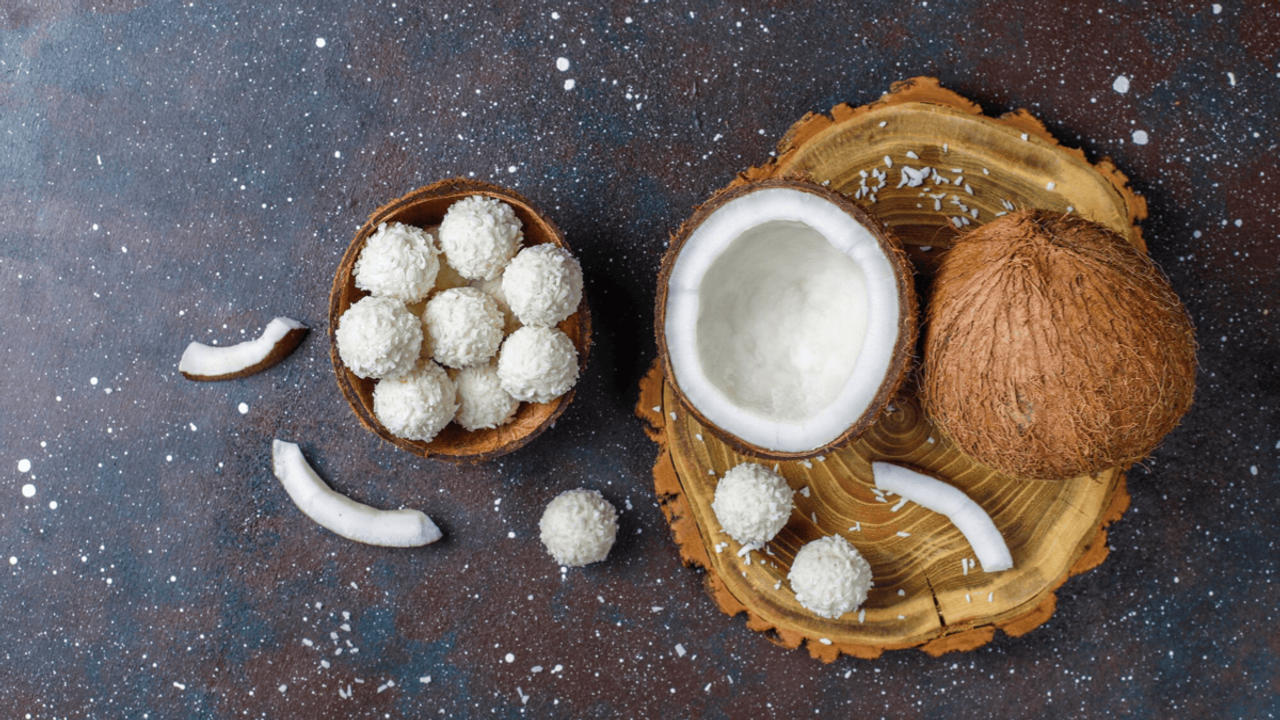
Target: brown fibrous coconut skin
[[901, 363], [1054, 348]]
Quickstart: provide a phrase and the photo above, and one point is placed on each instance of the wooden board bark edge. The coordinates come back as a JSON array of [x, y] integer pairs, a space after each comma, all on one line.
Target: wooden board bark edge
[[675, 505]]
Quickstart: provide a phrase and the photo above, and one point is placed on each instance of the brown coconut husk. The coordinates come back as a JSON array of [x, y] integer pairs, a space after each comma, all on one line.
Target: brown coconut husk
[[1055, 348]]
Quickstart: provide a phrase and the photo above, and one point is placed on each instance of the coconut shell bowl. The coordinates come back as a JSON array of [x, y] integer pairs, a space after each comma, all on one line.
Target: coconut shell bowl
[[425, 207], [928, 593]]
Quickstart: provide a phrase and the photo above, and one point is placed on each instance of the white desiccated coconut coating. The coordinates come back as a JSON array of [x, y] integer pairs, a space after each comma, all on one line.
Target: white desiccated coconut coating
[[398, 261], [543, 284], [479, 235], [416, 405], [537, 364], [378, 337], [830, 577], [752, 503], [464, 326], [493, 288], [482, 403], [578, 527]]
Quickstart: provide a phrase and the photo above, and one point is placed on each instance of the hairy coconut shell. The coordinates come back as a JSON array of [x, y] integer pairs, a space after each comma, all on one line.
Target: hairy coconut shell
[[1055, 348]]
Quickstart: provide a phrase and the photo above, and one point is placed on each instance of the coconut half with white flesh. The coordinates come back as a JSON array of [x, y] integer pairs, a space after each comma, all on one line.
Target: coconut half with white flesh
[[786, 317]]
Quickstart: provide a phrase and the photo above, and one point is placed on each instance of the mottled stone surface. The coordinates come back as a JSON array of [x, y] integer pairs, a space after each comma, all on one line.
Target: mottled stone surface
[[175, 171]]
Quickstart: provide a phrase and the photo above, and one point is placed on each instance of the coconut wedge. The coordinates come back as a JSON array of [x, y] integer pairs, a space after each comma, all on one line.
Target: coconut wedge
[[968, 516], [785, 318], [211, 362], [342, 515]]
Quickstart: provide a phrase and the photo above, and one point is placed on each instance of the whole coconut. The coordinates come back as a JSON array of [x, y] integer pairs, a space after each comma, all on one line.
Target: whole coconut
[[1054, 348]]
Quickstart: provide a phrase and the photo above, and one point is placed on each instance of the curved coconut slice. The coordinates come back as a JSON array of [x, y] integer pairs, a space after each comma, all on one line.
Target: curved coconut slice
[[968, 516], [786, 317], [342, 515], [213, 362]]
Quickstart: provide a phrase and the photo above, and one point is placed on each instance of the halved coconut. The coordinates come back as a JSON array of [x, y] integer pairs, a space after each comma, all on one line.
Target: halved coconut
[[786, 317]]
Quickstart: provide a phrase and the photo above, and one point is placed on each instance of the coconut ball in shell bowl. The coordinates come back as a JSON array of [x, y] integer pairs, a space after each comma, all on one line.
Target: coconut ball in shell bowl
[[441, 252]]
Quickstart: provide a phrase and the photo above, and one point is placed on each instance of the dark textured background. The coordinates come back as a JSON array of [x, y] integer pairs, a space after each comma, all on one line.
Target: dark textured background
[[175, 171]]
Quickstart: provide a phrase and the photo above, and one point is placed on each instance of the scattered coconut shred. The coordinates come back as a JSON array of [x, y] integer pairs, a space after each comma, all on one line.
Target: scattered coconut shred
[[342, 515], [964, 513]]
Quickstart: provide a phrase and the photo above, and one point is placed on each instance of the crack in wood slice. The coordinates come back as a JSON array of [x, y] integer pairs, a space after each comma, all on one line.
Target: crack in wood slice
[[924, 596]]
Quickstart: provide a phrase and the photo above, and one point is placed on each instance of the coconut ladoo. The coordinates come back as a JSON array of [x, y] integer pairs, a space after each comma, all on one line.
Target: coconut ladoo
[[1055, 348], [785, 318]]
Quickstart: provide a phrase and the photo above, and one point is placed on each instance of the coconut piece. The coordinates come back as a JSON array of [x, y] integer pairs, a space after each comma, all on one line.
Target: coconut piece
[[398, 261], [786, 317], [416, 405], [482, 403], [378, 337], [830, 577], [752, 503], [968, 516], [537, 364], [342, 515], [578, 527], [1055, 348], [279, 338], [464, 326], [543, 285], [479, 235]]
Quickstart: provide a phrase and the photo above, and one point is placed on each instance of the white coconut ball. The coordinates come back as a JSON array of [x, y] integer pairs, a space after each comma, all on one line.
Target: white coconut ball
[[537, 364], [416, 405], [543, 284], [398, 261], [464, 326], [493, 288], [830, 577], [378, 337], [482, 403], [479, 235], [752, 503], [578, 527]]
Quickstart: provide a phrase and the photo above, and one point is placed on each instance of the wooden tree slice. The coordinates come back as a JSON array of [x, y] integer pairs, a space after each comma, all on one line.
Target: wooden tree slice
[[924, 595]]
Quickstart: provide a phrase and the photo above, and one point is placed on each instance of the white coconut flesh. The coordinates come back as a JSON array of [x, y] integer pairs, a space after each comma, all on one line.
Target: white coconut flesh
[[782, 317], [968, 516], [219, 361], [342, 515]]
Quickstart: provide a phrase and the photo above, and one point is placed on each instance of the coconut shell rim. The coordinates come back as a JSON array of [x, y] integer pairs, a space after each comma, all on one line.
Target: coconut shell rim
[[900, 363], [347, 381]]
